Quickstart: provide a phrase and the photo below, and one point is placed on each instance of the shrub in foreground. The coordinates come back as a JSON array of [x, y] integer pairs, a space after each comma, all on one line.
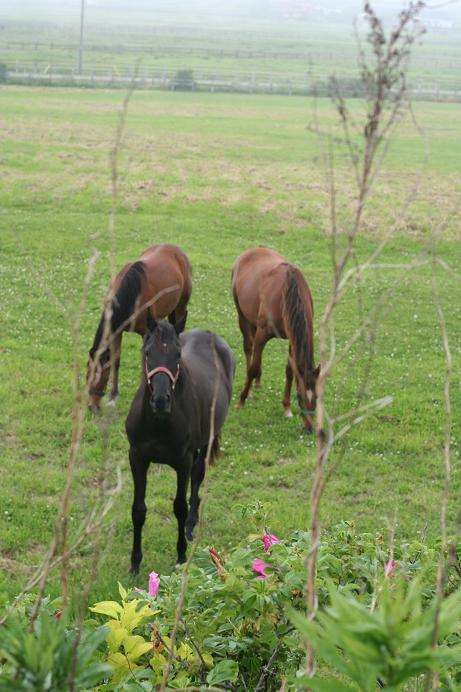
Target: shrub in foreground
[[243, 624]]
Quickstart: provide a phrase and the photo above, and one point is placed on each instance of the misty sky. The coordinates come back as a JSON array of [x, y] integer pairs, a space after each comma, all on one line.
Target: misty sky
[[179, 10]]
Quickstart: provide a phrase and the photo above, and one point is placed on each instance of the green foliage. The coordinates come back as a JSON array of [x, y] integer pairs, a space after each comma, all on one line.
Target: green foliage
[[41, 657], [184, 80], [392, 643], [233, 623], [224, 671], [236, 627]]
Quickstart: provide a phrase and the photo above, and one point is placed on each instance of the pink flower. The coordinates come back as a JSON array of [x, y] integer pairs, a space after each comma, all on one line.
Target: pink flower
[[154, 584], [389, 568], [259, 567], [268, 540]]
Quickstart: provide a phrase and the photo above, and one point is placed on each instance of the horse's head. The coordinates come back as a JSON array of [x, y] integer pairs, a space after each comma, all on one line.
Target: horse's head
[[161, 363], [97, 375], [307, 397]]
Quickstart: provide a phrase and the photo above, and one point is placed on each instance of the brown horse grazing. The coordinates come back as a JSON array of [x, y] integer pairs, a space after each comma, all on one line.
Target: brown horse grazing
[[161, 280], [273, 300]]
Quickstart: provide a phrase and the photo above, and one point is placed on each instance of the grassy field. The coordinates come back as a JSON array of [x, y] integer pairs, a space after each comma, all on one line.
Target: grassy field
[[215, 174], [240, 42]]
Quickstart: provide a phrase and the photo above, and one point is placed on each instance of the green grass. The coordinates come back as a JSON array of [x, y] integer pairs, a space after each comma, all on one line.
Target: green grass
[[215, 174]]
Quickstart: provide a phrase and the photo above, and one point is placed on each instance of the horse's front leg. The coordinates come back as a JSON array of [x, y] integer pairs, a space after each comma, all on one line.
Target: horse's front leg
[[197, 476], [254, 371], [180, 505], [138, 510], [115, 366]]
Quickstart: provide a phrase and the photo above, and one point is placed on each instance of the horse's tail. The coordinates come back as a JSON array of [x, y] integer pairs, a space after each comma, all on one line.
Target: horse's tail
[[297, 312], [124, 303], [215, 451]]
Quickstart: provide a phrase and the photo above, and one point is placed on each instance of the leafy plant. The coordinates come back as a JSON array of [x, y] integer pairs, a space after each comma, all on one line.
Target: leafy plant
[[235, 622], [138, 653], [41, 657], [392, 643]]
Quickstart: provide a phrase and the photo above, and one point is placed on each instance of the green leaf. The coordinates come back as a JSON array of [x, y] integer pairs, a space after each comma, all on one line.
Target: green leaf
[[185, 652], [225, 671], [207, 659], [110, 608], [123, 592], [135, 646], [115, 638]]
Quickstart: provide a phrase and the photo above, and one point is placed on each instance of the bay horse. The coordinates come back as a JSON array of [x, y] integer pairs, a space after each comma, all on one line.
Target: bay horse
[[185, 377], [159, 283], [273, 300]]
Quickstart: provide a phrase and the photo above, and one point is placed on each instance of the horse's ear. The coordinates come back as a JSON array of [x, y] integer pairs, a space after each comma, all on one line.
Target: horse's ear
[[151, 322], [180, 324]]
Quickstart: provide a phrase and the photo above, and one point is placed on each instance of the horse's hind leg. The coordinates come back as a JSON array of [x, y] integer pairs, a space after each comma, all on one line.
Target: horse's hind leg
[[115, 366], [254, 371], [138, 510], [197, 476], [181, 508], [289, 381]]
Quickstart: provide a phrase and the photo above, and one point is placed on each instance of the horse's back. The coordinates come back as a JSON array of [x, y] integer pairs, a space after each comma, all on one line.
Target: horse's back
[[257, 279], [168, 278], [165, 252], [204, 348], [202, 353]]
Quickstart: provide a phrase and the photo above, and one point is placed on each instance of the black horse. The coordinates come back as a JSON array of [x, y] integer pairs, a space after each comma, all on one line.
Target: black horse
[[170, 416]]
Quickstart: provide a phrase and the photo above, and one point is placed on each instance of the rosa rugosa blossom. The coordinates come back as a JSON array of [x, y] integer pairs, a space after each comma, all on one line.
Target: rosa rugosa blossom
[[269, 539], [259, 567], [154, 583]]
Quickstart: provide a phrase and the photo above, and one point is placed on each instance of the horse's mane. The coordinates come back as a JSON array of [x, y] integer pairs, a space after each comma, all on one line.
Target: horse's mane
[[297, 310], [123, 302]]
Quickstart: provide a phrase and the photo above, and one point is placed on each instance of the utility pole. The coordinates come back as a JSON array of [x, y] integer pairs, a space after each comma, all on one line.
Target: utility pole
[[80, 47]]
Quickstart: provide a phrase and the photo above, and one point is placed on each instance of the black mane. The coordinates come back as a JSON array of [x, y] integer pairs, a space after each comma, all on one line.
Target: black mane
[[123, 303]]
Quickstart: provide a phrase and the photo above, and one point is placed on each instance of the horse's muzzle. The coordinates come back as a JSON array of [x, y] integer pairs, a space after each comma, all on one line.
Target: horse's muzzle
[[161, 404]]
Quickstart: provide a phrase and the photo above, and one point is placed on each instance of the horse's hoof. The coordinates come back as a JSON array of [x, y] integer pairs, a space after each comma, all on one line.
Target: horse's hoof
[[288, 413], [112, 401], [134, 570], [257, 384], [240, 404]]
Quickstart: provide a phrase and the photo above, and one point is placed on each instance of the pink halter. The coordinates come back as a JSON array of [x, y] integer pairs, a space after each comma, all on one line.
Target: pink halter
[[161, 368]]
